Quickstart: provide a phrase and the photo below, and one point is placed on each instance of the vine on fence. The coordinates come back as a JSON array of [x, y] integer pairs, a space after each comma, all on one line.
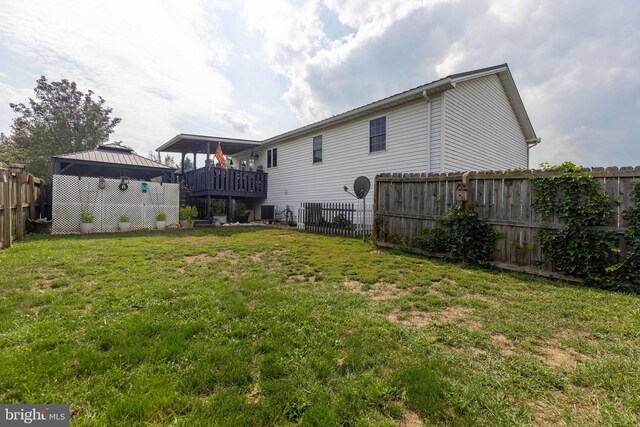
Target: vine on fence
[[629, 268], [465, 236], [578, 248]]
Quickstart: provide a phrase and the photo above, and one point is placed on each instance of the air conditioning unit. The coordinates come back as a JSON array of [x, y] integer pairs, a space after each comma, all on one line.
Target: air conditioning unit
[[268, 213]]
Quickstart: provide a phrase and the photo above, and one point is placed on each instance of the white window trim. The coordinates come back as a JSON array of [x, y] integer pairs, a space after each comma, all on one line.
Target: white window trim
[[386, 140], [322, 148], [267, 157]]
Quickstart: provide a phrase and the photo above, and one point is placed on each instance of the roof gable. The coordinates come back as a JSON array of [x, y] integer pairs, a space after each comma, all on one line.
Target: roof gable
[[436, 86]]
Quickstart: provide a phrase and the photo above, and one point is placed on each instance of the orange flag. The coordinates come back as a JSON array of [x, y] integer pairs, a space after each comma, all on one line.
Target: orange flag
[[220, 157]]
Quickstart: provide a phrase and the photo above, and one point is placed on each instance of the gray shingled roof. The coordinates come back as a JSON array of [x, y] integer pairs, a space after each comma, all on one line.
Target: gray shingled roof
[[113, 154]]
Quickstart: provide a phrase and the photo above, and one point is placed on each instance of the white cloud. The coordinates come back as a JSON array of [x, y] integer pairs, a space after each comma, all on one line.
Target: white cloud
[[191, 66], [295, 41], [151, 61], [451, 63]]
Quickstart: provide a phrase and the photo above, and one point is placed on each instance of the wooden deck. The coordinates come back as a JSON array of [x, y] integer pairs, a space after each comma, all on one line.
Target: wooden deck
[[216, 182]]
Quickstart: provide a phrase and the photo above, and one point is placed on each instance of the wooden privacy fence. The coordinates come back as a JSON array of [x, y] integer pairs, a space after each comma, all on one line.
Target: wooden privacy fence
[[343, 219], [22, 197], [405, 204]]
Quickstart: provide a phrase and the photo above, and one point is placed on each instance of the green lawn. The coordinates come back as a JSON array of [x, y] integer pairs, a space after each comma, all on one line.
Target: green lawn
[[258, 326]]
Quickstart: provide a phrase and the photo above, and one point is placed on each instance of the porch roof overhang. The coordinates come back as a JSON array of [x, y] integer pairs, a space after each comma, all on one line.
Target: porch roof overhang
[[187, 143]]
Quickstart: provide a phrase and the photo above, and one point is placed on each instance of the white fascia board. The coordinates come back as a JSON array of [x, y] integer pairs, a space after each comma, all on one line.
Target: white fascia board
[[401, 98]]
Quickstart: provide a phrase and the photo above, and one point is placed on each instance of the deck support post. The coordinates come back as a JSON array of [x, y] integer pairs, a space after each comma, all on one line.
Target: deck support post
[[229, 216]]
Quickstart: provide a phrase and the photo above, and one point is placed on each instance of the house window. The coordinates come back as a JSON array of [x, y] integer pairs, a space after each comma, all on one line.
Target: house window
[[272, 158], [378, 134], [317, 149]]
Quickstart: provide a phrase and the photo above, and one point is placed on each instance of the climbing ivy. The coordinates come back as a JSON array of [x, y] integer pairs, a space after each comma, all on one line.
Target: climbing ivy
[[464, 236], [470, 238], [628, 270], [578, 248]]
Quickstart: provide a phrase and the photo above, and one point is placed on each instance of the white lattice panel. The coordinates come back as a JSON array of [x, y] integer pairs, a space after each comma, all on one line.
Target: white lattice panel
[[71, 195]]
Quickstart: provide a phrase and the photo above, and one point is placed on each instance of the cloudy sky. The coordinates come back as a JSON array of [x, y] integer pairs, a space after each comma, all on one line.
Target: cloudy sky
[[257, 68]]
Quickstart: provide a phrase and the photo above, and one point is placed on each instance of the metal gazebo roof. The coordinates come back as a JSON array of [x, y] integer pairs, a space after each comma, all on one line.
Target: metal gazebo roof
[[111, 160]]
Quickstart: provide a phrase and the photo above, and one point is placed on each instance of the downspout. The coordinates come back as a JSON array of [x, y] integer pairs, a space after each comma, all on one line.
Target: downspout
[[426, 98], [530, 144]]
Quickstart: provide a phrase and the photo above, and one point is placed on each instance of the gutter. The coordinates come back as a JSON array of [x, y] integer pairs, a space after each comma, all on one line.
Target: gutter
[[417, 93], [533, 142]]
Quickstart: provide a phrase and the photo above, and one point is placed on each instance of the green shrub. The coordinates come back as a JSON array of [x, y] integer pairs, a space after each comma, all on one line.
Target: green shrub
[[86, 217], [240, 208], [188, 213], [124, 218], [432, 240], [161, 216], [469, 238]]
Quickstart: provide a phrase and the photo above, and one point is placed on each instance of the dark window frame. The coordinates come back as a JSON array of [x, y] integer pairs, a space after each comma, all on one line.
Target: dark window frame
[[317, 149], [378, 134], [272, 158]]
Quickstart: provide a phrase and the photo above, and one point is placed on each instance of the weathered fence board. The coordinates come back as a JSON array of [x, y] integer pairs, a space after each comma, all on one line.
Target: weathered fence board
[[407, 203], [21, 199]]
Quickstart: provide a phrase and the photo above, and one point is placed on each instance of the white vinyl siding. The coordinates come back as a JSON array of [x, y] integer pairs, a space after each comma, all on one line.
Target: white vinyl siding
[[345, 156], [436, 134], [471, 127], [481, 129]]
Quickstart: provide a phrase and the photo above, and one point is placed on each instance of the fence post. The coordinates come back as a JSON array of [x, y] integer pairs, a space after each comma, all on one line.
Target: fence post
[[7, 210], [19, 209], [31, 198], [374, 226]]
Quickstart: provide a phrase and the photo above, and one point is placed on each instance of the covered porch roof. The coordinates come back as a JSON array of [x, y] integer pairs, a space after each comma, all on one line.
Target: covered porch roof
[[188, 144]]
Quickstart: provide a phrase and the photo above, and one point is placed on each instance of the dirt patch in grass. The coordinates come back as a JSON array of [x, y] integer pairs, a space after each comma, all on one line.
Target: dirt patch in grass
[[559, 356], [410, 419], [548, 411], [485, 298], [253, 396], [504, 344], [413, 318], [206, 258], [458, 315], [257, 257], [379, 291], [447, 281], [302, 278]]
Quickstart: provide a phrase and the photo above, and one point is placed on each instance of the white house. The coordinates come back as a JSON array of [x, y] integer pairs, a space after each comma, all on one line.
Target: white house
[[468, 121]]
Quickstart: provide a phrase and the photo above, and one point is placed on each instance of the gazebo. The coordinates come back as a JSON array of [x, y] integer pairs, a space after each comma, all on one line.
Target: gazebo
[[112, 161]]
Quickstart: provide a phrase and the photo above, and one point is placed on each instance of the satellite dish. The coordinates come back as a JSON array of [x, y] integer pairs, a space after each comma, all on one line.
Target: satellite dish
[[361, 187]]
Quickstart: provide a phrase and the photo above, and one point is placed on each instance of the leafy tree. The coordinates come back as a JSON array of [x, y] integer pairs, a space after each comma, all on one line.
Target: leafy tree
[[188, 164], [167, 160], [60, 119]]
